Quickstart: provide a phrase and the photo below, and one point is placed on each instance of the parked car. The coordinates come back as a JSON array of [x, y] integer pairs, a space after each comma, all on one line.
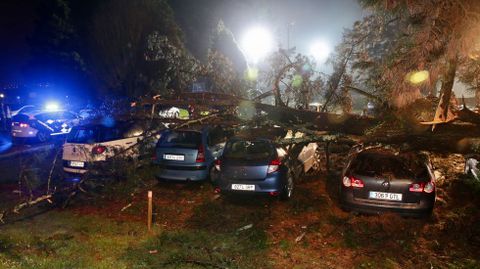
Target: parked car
[[378, 180], [23, 110], [188, 155], [174, 113], [43, 125], [91, 144], [253, 166]]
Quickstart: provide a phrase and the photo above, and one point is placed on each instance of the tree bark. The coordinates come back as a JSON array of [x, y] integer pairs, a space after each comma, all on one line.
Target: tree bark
[[446, 90]]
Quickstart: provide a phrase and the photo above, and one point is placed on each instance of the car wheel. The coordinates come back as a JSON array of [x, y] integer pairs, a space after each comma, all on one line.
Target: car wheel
[[288, 188], [42, 136]]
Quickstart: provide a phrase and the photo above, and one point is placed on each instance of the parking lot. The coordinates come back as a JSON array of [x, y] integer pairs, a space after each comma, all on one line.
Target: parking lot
[[194, 227]]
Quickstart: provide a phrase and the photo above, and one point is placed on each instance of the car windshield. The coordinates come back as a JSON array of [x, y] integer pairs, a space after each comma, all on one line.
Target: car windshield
[[378, 164], [180, 139], [248, 150]]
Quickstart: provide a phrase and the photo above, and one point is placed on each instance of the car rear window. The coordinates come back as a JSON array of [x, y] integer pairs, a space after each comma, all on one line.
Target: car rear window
[[248, 150], [374, 164], [48, 116], [20, 118], [100, 133], [84, 135], [180, 139]]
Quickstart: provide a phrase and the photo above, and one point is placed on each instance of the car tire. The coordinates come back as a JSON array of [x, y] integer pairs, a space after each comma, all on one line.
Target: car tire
[[42, 136], [288, 188]]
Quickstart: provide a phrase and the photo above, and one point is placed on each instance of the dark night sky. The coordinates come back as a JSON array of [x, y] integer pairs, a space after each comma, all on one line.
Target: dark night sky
[[313, 19], [16, 24]]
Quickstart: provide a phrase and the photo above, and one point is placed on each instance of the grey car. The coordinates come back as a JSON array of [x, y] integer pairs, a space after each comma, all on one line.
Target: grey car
[[379, 180], [188, 155], [253, 166]]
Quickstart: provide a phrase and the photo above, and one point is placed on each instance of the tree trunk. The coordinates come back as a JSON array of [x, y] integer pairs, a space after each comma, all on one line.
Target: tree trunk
[[446, 90], [276, 84]]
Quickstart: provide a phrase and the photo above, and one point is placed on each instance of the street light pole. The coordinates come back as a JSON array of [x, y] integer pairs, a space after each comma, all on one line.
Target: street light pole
[[290, 24], [4, 116]]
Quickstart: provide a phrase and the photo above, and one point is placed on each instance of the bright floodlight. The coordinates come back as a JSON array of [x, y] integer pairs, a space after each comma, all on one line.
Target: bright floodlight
[[256, 44], [320, 50], [2, 95], [52, 106]]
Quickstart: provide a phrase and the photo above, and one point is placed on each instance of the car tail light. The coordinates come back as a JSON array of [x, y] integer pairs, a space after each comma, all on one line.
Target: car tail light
[[217, 163], [357, 183], [200, 154], [273, 166], [217, 190], [429, 187], [346, 182], [352, 182], [274, 193], [99, 150], [23, 125]]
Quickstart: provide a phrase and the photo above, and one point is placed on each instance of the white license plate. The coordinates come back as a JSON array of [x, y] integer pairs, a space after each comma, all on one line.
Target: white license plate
[[243, 187], [385, 196], [77, 164], [173, 157]]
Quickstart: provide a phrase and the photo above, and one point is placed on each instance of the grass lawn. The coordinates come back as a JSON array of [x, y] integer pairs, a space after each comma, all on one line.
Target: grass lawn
[[65, 240]]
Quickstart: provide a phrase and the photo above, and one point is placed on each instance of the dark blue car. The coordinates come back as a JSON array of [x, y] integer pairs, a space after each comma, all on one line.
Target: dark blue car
[[252, 166], [188, 155]]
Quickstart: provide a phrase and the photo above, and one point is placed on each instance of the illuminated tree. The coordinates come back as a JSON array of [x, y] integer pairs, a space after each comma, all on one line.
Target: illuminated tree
[[436, 36], [293, 80]]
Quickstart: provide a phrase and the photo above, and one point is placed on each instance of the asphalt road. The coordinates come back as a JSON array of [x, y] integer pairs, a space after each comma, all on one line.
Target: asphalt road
[[34, 157]]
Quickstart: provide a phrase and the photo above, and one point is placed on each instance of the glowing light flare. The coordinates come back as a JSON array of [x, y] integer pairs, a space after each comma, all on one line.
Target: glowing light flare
[[256, 44], [474, 55], [52, 107], [417, 77], [297, 81], [320, 50], [251, 74]]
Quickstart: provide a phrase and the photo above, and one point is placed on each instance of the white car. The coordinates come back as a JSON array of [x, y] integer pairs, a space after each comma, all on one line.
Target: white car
[[23, 110], [42, 125], [90, 144]]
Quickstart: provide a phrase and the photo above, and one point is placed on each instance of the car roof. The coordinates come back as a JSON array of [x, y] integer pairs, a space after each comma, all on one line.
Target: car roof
[[250, 138], [38, 112], [100, 124], [390, 152]]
